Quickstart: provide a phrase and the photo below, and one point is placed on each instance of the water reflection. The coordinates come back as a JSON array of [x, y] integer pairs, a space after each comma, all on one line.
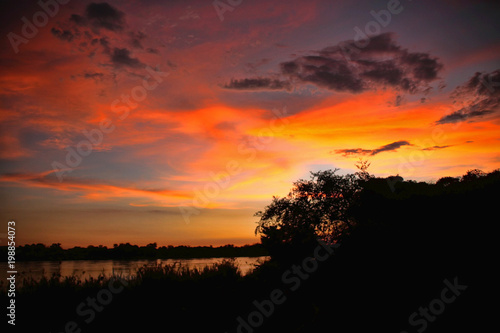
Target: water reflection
[[85, 269]]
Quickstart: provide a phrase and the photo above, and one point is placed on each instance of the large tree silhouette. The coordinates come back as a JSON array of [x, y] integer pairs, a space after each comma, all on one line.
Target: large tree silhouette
[[315, 208]]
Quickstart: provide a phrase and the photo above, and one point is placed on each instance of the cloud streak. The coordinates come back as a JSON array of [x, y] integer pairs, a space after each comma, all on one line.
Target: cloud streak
[[372, 152], [91, 189], [479, 97], [436, 147], [121, 57], [258, 84]]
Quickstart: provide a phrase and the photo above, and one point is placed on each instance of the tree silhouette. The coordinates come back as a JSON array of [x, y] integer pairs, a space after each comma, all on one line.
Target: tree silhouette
[[447, 181], [314, 208], [473, 175], [362, 166]]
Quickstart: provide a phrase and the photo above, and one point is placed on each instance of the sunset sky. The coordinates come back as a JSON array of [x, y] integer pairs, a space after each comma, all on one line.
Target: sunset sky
[[175, 121]]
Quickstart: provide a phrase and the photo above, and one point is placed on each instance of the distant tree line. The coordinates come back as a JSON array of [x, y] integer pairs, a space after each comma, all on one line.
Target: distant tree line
[[128, 251]]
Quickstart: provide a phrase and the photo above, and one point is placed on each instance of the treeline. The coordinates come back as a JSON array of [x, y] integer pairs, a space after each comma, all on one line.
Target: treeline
[[54, 252]]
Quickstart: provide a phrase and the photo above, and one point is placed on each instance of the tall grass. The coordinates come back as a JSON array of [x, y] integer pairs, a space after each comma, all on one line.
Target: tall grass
[[226, 269]]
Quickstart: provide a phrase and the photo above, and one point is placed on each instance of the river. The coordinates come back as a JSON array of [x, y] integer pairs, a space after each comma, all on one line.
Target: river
[[85, 269]]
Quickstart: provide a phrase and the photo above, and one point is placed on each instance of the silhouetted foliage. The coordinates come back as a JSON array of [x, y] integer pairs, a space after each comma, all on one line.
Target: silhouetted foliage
[[314, 208], [447, 181], [362, 166], [472, 175]]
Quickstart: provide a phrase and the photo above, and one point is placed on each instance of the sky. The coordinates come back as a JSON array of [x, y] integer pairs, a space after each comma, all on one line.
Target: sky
[[175, 121]]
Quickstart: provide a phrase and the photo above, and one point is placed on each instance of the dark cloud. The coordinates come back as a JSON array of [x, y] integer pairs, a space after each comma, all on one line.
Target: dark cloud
[[478, 97], [481, 84], [88, 30], [136, 39], [78, 19], [103, 15], [390, 147], [385, 72], [380, 63], [346, 67], [172, 65], [436, 147], [93, 75], [100, 15], [66, 35], [355, 151], [462, 115], [152, 50], [258, 84], [105, 44], [359, 151], [324, 72], [422, 65], [399, 100], [121, 57], [97, 17]]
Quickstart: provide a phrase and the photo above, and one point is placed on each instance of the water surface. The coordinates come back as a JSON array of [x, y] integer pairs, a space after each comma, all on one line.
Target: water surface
[[92, 268]]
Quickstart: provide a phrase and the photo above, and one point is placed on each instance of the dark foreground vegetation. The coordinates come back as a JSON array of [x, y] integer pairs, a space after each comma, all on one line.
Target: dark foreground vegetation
[[409, 257], [35, 252]]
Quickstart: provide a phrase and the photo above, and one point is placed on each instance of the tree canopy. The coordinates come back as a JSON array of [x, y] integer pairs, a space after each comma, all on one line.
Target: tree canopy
[[318, 207]]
